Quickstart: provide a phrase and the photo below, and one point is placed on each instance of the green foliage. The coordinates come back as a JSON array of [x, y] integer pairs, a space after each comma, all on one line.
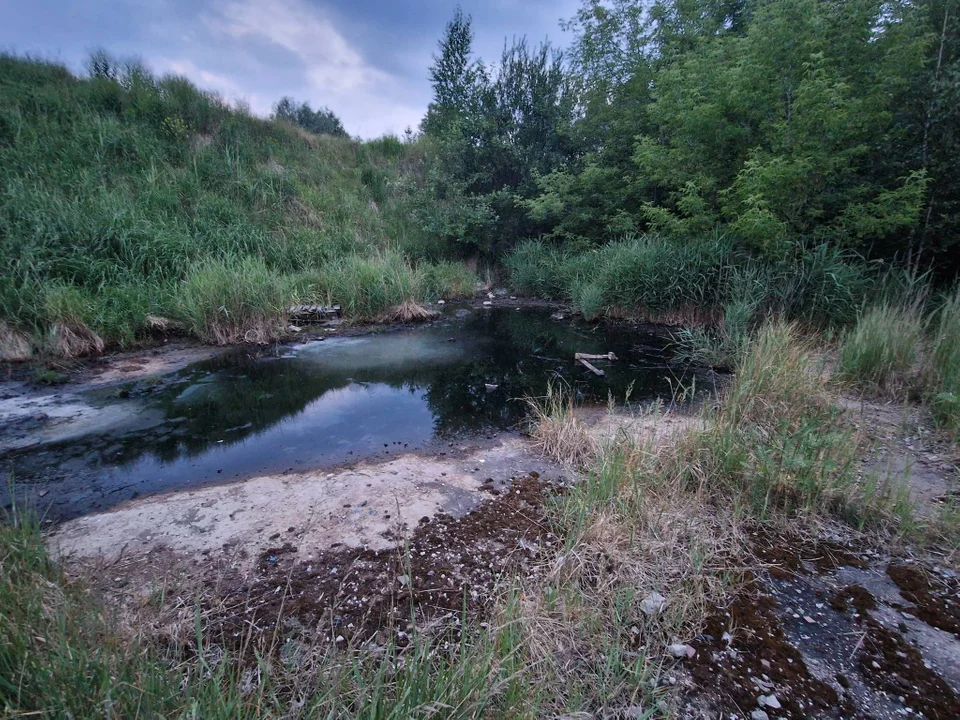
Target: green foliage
[[491, 132], [694, 280], [781, 121], [777, 443]]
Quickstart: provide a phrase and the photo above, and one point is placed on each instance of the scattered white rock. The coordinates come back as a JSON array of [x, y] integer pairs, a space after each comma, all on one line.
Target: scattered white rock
[[487, 303], [653, 603], [759, 715], [441, 302], [809, 620], [769, 701], [680, 650]]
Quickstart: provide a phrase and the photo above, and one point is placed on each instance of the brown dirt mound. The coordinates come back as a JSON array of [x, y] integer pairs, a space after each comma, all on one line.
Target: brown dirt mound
[[759, 652], [891, 664], [788, 554], [854, 595]]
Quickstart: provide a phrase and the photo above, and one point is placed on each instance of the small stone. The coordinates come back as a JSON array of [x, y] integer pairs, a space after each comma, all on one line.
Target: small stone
[[765, 663], [809, 620], [680, 650], [653, 603], [769, 701], [759, 715], [727, 638]]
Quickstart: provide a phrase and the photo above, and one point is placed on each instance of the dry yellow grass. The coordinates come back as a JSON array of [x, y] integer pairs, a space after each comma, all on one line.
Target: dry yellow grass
[[407, 312], [73, 338], [558, 433], [15, 346], [160, 324]]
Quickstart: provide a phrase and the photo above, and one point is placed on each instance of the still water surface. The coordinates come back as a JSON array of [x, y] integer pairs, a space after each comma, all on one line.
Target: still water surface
[[329, 402]]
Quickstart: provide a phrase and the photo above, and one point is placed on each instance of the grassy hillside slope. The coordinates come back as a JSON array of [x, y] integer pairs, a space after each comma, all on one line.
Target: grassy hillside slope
[[124, 195]]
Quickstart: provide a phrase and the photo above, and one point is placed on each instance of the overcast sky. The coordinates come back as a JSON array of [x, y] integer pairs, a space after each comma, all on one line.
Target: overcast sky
[[365, 59]]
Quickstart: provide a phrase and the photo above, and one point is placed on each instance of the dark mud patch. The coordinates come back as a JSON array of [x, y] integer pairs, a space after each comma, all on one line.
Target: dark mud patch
[[819, 625], [891, 664], [853, 596], [936, 600], [446, 571], [787, 554], [758, 660]]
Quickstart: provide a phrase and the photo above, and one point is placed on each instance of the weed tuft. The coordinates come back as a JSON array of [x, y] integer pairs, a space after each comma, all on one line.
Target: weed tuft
[[72, 339], [944, 366]]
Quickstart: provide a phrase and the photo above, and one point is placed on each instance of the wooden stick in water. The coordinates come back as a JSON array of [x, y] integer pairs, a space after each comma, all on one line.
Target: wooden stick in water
[[591, 368], [586, 356]]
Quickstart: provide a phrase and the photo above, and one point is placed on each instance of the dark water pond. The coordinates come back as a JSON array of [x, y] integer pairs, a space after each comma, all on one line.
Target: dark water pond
[[343, 399]]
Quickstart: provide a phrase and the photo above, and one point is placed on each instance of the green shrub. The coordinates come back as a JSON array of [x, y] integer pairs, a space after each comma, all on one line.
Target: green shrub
[[696, 281], [367, 285], [537, 268], [777, 442]]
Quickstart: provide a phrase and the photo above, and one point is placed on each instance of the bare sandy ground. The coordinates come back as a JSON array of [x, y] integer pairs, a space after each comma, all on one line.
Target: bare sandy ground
[[370, 506]]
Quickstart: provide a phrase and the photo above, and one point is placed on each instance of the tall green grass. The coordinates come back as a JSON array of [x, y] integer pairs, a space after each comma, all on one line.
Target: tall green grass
[[778, 444], [121, 186], [225, 302], [945, 366], [702, 281], [883, 351]]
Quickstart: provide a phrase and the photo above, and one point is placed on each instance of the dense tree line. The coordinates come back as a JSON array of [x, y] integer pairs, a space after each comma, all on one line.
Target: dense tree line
[[780, 122]]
